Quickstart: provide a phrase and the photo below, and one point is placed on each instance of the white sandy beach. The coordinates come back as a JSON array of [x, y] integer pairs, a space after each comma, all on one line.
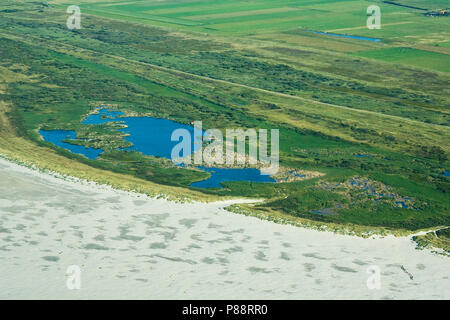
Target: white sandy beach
[[129, 246]]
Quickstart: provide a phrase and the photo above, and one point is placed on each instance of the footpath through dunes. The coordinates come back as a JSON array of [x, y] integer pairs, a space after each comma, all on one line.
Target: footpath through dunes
[[130, 246], [326, 118]]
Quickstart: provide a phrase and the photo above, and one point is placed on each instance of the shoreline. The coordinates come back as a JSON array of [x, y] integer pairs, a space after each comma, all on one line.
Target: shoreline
[[67, 180], [156, 248]]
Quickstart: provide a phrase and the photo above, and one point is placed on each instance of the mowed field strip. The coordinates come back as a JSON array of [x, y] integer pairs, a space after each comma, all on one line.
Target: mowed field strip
[[365, 27], [240, 13]]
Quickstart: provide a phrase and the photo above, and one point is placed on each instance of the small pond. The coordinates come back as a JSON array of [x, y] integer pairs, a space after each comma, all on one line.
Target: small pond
[[152, 137]]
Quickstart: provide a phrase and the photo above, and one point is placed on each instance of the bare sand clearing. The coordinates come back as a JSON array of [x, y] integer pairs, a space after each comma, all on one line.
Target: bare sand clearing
[[131, 246]]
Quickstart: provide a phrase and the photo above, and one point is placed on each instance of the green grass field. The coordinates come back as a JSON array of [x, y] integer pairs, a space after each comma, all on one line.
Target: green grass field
[[251, 64]]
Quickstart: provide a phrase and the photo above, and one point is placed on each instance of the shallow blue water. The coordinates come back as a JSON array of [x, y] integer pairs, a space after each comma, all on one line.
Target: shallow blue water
[[219, 175], [446, 173], [57, 136], [347, 36], [103, 116], [360, 155], [152, 137], [402, 204]]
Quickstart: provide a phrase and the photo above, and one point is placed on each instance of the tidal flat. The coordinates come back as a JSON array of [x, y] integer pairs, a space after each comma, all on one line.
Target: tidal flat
[[130, 246]]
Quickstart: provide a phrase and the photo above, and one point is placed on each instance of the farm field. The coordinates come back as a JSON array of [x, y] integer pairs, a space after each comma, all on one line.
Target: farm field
[[426, 59], [372, 117], [291, 21]]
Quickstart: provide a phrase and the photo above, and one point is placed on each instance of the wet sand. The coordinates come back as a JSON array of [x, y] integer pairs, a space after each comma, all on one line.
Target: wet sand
[[129, 246]]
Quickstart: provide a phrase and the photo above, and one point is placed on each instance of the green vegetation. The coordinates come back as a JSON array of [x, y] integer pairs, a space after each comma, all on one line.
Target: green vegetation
[[425, 59], [243, 64], [426, 4], [439, 239]]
